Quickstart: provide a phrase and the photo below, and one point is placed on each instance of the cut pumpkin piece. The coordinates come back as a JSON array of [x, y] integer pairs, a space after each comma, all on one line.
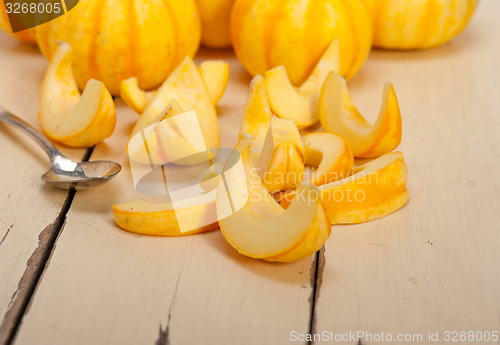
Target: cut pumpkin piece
[[189, 198], [211, 176], [375, 190], [174, 139], [133, 96], [171, 110], [160, 219], [215, 74], [301, 104], [260, 228], [68, 117], [330, 154], [281, 163], [186, 87], [256, 116], [339, 115]]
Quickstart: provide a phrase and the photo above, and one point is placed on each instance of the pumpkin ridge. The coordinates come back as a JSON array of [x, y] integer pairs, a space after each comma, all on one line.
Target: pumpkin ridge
[[426, 31], [270, 27], [375, 13], [361, 53], [310, 35], [355, 54], [237, 17], [450, 22], [94, 69], [175, 24], [133, 29]]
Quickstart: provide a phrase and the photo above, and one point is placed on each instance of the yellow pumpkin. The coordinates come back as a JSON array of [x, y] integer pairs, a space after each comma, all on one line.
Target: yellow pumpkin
[[215, 16], [114, 40], [295, 33], [418, 24], [27, 36]]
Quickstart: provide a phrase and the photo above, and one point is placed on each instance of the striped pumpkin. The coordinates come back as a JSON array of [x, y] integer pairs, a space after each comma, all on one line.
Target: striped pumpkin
[[295, 33], [215, 16], [27, 36], [418, 24], [114, 40]]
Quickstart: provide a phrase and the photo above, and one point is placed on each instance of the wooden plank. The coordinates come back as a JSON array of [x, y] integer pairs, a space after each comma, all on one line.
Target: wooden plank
[[106, 286], [30, 212], [434, 265]]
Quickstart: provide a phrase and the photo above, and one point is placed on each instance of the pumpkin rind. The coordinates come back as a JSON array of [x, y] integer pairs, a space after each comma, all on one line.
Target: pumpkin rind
[[114, 40], [295, 33]]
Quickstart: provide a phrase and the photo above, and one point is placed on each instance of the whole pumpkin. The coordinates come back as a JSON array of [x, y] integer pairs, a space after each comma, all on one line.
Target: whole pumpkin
[[114, 40], [404, 24], [295, 33], [27, 36], [215, 16]]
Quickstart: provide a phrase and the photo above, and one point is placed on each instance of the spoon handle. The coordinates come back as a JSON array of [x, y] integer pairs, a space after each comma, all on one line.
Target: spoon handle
[[15, 121]]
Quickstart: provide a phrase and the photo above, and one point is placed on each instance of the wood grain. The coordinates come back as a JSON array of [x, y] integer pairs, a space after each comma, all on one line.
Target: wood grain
[[433, 266], [30, 212]]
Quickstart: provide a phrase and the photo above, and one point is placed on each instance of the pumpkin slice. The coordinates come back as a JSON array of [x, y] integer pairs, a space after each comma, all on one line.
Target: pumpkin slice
[[374, 190], [301, 104], [211, 176], [187, 88], [281, 164], [258, 227], [330, 154], [68, 117], [256, 116], [133, 96], [338, 115], [215, 74], [160, 219], [188, 194], [173, 139]]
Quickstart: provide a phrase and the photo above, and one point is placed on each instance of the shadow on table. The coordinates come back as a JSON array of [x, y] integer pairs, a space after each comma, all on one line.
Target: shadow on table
[[290, 273]]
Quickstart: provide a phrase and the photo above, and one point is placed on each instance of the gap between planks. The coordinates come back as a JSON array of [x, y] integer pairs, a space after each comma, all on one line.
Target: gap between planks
[[317, 268], [35, 266]]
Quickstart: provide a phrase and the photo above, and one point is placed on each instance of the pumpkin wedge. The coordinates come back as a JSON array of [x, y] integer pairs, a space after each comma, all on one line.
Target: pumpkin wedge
[[259, 227], [68, 117], [338, 115]]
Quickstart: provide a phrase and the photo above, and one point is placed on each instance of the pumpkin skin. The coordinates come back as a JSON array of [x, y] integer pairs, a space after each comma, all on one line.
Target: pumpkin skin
[[114, 40], [215, 15], [26, 36], [418, 24], [295, 33]]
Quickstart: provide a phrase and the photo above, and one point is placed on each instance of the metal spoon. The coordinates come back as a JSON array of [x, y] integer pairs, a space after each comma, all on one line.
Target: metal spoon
[[64, 173]]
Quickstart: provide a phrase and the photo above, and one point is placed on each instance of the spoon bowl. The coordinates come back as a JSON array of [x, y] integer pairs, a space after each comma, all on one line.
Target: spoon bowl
[[85, 175], [65, 173]]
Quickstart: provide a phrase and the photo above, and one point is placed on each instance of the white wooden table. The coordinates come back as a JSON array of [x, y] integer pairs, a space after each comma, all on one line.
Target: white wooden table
[[69, 275]]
